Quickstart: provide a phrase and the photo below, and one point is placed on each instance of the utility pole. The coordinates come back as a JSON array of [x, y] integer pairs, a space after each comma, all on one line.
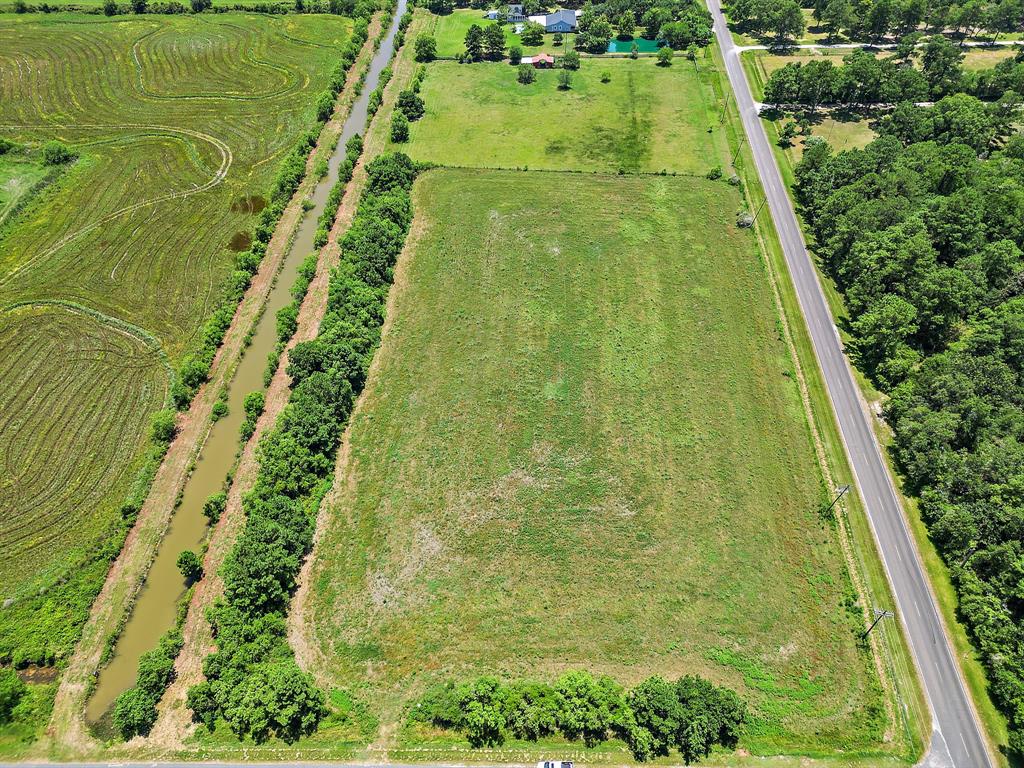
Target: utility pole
[[843, 489], [736, 154], [879, 615], [755, 218]]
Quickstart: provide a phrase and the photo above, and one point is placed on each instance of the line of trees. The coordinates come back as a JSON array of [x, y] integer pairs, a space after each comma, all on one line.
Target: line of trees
[[691, 715], [680, 24], [781, 19], [877, 20], [873, 20], [408, 108], [864, 79], [252, 680], [923, 233]]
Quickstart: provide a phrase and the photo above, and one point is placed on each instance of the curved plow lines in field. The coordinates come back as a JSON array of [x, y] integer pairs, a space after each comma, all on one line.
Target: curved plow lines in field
[[176, 119], [169, 57], [218, 177], [76, 393]]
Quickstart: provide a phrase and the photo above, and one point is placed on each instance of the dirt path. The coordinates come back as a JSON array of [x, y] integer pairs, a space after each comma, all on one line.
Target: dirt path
[[174, 721], [67, 735]]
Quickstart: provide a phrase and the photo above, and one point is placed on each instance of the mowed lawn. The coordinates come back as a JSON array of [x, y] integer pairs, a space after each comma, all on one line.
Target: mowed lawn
[[581, 446], [646, 118]]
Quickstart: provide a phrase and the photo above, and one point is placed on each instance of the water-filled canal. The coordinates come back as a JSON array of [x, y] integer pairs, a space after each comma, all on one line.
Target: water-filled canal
[[154, 611]]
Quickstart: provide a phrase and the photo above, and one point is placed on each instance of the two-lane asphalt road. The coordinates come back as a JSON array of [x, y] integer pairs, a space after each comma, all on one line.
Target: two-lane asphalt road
[[957, 739]]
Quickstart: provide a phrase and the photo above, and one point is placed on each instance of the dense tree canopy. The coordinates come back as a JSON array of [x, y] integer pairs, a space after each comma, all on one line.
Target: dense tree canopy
[[866, 79], [691, 715], [922, 231]]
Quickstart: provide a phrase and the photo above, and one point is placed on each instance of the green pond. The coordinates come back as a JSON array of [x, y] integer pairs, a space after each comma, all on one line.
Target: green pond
[[643, 45]]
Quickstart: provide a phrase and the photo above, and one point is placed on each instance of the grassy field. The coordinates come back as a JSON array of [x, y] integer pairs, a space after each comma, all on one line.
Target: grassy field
[[106, 277], [450, 32], [19, 175], [646, 118], [589, 452]]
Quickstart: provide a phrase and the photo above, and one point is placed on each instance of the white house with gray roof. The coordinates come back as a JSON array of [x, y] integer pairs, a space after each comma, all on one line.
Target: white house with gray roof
[[562, 20]]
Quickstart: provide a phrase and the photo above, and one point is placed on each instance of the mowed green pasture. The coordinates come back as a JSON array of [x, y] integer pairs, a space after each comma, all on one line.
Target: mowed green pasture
[[582, 446], [450, 32], [646, 118], [107, 276]]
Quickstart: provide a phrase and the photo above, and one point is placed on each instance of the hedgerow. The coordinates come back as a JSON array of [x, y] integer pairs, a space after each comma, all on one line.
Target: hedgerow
[[135, 709], [353, 148], [252, 680], [691, 715]]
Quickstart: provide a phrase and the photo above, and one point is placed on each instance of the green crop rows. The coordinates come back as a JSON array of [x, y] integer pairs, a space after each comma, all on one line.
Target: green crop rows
[[107, 275]]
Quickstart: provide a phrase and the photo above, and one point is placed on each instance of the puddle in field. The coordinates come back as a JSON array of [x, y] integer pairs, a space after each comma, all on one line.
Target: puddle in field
[[249, 204], [240, 241], [155, 608]]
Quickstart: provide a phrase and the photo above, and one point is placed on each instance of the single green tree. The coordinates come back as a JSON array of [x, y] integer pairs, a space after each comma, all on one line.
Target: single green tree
[[627, 25], [526, 74], [190, 565], [557, 39], [214, 505], [570, 60], [109, 8], [515, 55], [411, 104], [564, 79], [399, 127], [474, 43], [787, 134], [532, 34], [425, 47], [163, 427], [494, 42], [58, 153], [634, 51], [665, 55]]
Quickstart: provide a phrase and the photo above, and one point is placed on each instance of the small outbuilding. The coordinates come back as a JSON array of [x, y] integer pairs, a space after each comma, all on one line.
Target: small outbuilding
[[541, 60]]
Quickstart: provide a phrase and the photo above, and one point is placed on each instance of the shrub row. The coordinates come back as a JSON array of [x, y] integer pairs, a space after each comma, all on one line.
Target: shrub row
[[135, 709], [252, 681], [353, 148], [691, 715]]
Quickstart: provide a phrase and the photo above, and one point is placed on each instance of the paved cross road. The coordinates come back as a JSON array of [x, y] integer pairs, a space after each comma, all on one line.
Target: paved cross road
[[957, 741]]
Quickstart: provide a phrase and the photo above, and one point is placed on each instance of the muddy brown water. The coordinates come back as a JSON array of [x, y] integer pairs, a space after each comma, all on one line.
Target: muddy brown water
[[155, 609], [240, 241], [249, 204]]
